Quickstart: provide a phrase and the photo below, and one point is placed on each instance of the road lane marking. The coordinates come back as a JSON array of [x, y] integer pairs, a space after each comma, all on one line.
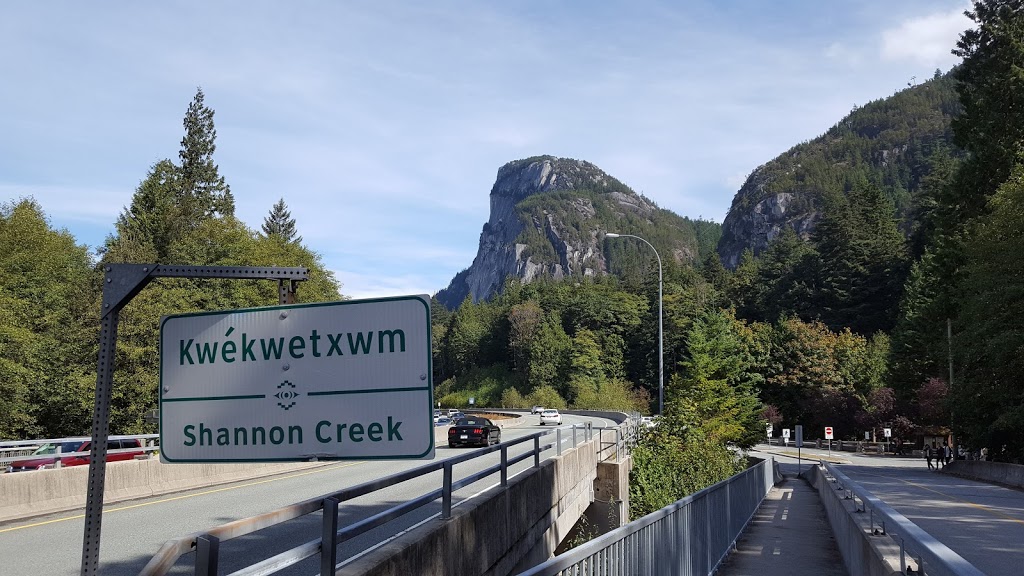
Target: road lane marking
[[203, 493], [982, 507], [186, 496]]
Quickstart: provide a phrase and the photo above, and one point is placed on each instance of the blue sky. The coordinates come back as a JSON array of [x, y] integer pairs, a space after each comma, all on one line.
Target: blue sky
[[382, 124]]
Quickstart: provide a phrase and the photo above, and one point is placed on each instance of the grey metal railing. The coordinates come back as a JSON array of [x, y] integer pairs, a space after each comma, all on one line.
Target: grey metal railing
[[932, 557], [14, 450], [688, 538], [207, 544]]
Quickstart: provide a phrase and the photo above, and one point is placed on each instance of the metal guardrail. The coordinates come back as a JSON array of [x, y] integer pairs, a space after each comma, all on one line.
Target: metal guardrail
[[932, 557], [206, 544], [688, 538], [17, 446]]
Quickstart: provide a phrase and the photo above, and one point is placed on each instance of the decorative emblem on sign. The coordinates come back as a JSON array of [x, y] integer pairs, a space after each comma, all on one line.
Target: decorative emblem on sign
[[285, 395]]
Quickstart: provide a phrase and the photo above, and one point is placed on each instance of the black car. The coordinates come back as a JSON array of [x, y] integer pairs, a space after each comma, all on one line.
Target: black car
[[474, 431]]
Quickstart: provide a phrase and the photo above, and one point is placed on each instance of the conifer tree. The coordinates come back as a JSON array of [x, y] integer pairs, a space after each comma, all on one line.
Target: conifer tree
[[863, 260], [280, 224], [175, 200], [200, 182]]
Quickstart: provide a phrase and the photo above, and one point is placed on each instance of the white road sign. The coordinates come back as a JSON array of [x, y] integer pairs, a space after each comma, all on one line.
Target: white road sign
[[338, 380], [785, 432], [888, 432], [828, 432]]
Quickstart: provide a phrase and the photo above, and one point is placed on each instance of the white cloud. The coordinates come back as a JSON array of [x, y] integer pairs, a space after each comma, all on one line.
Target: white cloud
[[927, 39], [69, 203], [360, 285], [844, 54]]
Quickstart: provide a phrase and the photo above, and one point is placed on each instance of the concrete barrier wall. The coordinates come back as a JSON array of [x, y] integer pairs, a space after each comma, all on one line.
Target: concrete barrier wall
[[500, 531], [863, 553], [619, 417], [998, 472], [27, 494]]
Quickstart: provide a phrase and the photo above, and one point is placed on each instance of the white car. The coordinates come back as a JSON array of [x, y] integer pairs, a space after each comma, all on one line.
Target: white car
[[536, 410], [550, 416]]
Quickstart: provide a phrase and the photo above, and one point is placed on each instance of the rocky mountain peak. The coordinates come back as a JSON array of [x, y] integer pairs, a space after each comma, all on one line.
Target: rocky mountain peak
[[520, 178], [548, 218]]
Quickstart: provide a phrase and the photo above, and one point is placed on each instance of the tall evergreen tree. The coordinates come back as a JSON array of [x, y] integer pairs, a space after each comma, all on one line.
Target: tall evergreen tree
[[988, 400], [787, 281], [201, 182], [280, 224], [991, 88], [863, 260], [175, 200], [991, 130]]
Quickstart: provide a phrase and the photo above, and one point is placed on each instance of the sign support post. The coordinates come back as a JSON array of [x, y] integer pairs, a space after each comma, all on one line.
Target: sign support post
[[120, 284], [799, 445]]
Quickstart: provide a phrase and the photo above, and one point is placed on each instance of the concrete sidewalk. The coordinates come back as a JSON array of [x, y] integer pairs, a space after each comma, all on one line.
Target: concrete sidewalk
[[788, 535]]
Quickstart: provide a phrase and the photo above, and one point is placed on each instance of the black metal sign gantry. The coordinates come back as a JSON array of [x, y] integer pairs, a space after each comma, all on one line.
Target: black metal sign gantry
[[121, 283]]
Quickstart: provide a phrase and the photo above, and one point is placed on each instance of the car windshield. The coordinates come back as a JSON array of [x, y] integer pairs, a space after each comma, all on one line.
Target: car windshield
[[550, 412], [51, 448]]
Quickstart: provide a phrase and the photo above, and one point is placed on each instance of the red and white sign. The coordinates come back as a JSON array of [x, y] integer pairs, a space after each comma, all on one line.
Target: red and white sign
[[828, 432]]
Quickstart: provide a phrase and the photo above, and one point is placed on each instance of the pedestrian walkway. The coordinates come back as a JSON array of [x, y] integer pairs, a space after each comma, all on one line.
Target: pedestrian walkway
[[788, 535]]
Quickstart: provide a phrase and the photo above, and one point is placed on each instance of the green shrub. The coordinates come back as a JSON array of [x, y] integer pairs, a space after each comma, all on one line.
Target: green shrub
[[667, 468]]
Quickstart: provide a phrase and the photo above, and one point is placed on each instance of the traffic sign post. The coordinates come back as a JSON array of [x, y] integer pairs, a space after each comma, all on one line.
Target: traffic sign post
[[768, 431], [339, 380], [799, 445], [785, 437], [888, 434], [828, 436]]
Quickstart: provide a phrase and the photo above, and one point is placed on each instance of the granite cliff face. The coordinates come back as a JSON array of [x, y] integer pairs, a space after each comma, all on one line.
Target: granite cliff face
[[548, 219], [756, 226]]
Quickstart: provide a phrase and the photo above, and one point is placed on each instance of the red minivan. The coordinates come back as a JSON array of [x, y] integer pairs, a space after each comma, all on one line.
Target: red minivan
[[46, 455]]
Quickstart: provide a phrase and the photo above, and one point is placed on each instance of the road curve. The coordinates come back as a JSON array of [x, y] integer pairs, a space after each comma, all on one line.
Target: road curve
[[134, 531]]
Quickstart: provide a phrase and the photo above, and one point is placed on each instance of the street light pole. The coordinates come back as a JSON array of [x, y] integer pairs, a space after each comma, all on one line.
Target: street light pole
[[661, 347]]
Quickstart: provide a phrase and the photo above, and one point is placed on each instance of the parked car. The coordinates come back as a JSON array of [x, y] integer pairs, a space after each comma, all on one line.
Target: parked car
[[550, 416], [473, 430], [46, 455], [536, 410]]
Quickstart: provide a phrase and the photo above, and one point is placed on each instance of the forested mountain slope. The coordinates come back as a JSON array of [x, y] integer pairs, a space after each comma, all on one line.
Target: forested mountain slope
[[892, 143]]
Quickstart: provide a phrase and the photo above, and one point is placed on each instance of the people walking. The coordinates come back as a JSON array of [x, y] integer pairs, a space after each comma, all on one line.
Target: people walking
[[940, 455], [929, 453]]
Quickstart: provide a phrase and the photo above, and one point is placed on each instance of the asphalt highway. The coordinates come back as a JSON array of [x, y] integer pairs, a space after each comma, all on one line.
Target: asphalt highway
[[133, 531]]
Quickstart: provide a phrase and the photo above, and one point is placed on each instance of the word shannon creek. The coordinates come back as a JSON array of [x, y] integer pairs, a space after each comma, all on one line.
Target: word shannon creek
[[325, 432]]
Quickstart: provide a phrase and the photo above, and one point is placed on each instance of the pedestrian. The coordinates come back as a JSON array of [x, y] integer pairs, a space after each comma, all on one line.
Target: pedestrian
[[940, 455], [949, 452], [928, 453]]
